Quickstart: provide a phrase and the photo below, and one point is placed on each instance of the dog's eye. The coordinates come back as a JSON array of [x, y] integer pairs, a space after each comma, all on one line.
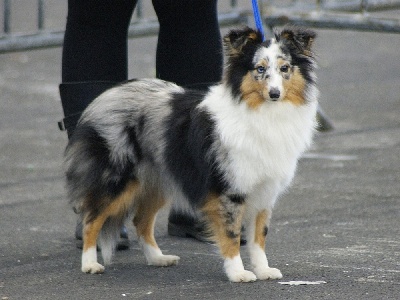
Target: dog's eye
[[285, 68], [260, 69]]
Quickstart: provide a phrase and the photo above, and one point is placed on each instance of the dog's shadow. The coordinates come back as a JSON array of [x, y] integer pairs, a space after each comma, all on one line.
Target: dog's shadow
[[200, 262]]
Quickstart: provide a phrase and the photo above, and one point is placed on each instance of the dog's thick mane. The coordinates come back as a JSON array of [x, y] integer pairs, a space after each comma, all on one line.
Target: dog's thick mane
[[192, 131]]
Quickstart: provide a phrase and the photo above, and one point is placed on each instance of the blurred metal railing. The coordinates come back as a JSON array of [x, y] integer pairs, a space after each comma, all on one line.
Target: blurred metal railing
[[362, 15], [373, 15], [44, 38]]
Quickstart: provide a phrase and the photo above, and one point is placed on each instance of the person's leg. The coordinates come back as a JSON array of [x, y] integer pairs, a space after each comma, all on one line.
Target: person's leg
[[189, 53], [189, 49], [94, 52], [94, 59], [95, 41]]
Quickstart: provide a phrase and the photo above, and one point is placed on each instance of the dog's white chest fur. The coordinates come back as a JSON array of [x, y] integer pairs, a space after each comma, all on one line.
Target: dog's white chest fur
[[263, 144]]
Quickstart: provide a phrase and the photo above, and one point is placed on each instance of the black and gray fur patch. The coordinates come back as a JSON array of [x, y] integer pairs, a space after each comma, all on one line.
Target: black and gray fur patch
[[237, 198], [93, 176], [188, 151], [132, 133], [232, 235]]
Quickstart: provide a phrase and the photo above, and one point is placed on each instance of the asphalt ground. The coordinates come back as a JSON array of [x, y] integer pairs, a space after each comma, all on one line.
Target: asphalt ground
[[336, 227]]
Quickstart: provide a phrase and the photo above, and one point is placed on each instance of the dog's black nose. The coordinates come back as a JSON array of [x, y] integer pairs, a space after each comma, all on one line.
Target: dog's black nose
[[274, 94]]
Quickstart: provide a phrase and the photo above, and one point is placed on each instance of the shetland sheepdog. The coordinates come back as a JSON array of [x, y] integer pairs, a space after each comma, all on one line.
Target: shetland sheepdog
[[226, 153]]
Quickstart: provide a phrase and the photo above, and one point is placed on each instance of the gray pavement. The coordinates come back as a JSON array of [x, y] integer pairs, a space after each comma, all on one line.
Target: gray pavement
[[338, 223]]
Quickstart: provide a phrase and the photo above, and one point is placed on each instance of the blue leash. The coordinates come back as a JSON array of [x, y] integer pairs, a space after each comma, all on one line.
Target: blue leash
[[257, 18]]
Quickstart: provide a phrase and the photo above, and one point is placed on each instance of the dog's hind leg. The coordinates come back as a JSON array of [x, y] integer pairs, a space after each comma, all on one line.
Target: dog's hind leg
[[224, 214], [91, 231], [117, 207], [146, 209]]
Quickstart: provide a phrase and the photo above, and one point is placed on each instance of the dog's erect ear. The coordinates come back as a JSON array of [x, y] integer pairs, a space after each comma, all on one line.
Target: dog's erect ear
[[236, 40], [299, 39]]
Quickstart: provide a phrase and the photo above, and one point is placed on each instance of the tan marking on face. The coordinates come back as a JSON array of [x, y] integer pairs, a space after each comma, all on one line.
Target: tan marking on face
[[252, 36], [263, 62], [261, 221], [294, 88], [118, 207], [254, 91], [214, 212], [281, 62]]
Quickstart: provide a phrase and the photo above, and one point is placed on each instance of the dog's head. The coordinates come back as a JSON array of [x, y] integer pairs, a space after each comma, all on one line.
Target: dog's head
[[279, 69]]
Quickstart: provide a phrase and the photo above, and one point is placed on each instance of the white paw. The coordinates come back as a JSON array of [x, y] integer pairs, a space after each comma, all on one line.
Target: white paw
[[164, 260], [264, 273], [93, 268], [242, 276]]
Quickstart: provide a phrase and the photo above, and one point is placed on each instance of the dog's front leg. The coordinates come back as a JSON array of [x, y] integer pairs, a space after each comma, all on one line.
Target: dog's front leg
[[256, 232], [224, 214]]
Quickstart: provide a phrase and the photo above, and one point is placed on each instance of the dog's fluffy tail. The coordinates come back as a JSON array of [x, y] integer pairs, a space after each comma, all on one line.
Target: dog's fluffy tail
[[108, 238]]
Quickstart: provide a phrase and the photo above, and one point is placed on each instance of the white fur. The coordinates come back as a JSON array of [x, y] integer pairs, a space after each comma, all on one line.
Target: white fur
[[271, 53], [263, 146], [265, 143], [89, 262], [257, 254], [155, 257], [260, 265], [235, 271]]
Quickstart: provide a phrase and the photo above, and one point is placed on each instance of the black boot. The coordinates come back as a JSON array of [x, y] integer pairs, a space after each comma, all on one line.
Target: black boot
[[183, 225], [75, 97]]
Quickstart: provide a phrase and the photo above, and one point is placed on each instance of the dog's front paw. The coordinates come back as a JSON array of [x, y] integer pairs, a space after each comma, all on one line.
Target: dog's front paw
[[92, 268], [264, 273], [164, 260], [242, 276], [235, 271]]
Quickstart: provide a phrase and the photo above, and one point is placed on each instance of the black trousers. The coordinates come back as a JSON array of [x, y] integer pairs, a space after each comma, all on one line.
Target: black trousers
[[189, 50]]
